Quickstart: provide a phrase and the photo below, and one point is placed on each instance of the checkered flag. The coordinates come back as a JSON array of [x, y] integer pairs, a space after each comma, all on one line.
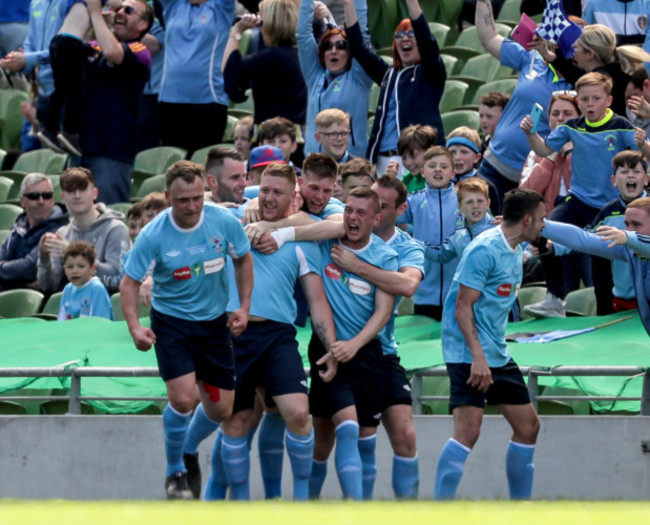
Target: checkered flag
[[556, 27]]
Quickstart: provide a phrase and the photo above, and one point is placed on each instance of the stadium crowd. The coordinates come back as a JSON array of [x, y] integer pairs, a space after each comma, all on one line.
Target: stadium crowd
[[312, 213]]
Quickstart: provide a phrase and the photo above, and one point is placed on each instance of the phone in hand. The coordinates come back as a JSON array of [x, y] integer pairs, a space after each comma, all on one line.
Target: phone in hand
[[536, 115]]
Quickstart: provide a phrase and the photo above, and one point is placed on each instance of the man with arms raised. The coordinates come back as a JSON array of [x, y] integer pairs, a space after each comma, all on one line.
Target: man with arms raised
[[479, 365], [189, 326]]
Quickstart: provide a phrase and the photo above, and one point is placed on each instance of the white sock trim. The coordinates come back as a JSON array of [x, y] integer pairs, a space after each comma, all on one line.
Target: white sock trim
[[464, 447], [347, 422], [522, 445]]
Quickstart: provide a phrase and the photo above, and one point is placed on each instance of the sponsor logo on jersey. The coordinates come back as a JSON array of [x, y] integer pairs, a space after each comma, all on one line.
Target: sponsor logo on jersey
[[333, 271], [199, 248], [213, 265], [359, 287], [197, 269], [504, 290], [182, 274], [173, 253]]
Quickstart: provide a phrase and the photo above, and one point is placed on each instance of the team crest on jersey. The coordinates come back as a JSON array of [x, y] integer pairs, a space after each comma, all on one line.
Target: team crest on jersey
[[504, 289], [611, 142], [182, 274], [197, 269], [217, 244], [642, 22]]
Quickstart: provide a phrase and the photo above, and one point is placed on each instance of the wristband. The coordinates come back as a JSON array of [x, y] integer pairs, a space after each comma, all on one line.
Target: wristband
[[284, 235]]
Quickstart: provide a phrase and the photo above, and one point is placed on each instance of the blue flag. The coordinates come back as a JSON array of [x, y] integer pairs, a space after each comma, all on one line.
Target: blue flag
[[556, 27]]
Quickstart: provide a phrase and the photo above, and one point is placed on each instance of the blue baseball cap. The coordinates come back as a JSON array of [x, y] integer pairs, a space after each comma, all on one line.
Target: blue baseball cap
[[264, 155]]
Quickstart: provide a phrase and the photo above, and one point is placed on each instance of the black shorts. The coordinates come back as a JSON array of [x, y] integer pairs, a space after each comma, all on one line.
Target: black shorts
[[508, 387], [359, 383], [266, 354], [202, 347], [397, 389]]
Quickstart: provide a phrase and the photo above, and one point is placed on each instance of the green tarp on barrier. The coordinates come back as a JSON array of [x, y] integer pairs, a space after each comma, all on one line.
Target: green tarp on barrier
[[30, 342]]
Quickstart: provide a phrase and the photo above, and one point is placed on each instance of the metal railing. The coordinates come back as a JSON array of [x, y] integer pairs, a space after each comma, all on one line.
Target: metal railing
[[75, 398], [533, 384]]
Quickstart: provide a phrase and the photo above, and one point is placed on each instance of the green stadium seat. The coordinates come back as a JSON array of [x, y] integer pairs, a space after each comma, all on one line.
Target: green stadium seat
[[11, 408], [468, 44], [581, 302], [506, 85], [200, 155], [56, 186], [8, 214], [383, 18], [143, 311], [510, 12], [440, 31], [50, 309], [374, 99], [450, 63], [121, 207], [56, 164], [464, 117], [34, 161], [3, 154], [57, 407], [529, 295], [242, 109], [11, 117], [152, 162], [453, 96], [3, 235], [20, 303], [477, 71], [430, 8], [149, 185], [228, 134], [5, 187], [17, 177]]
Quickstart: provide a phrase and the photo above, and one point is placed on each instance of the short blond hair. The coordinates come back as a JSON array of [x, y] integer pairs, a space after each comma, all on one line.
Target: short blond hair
[[280, 21], [466, 133], [595, 79], [331, 116]]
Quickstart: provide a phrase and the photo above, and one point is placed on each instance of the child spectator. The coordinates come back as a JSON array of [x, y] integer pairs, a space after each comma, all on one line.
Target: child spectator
[[490, 107], [464, 144], [135, 220], [84, 295], [354, 174], [433, 213], [152, 204], [281, 133], [243, 135], [597, 136], [261, 157], [333, 134], [413, 142]]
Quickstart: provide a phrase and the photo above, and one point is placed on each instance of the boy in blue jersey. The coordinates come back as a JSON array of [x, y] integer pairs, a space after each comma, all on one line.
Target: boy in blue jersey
[[479, 365], [266, 353], [353, 400], [84, 295], [596, 136], [189, 243], [473, 203], [433, 213], [631, 246]]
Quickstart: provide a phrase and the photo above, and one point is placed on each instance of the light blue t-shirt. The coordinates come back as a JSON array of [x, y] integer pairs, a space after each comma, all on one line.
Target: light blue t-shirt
[[410, 254], [351, 297], [275, 278], [190, 275], [391, 134], [491, 266], [88, 300], [333, 207]]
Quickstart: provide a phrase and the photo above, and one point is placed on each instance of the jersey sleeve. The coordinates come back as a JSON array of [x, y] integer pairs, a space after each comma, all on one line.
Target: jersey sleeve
[[558, 137], [475, 267], [309, 258], [238, 243]]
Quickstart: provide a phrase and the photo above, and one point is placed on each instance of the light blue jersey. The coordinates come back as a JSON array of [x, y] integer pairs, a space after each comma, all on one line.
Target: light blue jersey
[[351, 297], [190, 277], [275, 279], [195, 39], [454, 246], [88, 300], [491, 266], [410, 254], [333, 207]]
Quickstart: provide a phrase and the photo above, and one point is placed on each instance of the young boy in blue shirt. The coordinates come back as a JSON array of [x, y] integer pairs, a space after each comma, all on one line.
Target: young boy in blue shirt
[[84, 295]]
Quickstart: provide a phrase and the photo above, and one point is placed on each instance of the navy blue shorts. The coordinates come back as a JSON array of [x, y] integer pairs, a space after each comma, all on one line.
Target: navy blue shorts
[[508, 387], [266, 354], [202, 347], [359, 383], [396, 384]]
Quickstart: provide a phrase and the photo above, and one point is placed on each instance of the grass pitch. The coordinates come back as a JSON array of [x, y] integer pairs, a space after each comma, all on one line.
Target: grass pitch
[[330, 513]]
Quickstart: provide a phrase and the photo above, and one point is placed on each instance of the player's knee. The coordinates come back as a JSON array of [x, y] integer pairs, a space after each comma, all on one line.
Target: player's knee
[[297, 419], [531, 430], [404, 442], [218, 411], [183, 402]]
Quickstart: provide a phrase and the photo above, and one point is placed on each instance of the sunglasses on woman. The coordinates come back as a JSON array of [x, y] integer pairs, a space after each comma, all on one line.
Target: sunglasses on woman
[[404, 34], [341, 45]]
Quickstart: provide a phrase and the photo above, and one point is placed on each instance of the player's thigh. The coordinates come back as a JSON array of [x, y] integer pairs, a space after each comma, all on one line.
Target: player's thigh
[[467, 424], [217, 401], [523, 420], [398, 421], [238, 424], [348, 413]]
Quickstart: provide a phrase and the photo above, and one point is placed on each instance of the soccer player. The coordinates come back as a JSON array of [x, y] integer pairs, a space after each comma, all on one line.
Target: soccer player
[[266, 353], [189, 327], [353, 400], [479, 365]]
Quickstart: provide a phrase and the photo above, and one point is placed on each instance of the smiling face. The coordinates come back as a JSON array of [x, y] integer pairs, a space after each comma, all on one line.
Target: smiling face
[[334, 139], [337, 54], [186, 201], [315, 192], [438, 171], [413, 159], [359, 218], [129, 26], [78, 270], [474, 205], [593, 102], [228, 184], [630, 181], [275, 198], [407, 47]]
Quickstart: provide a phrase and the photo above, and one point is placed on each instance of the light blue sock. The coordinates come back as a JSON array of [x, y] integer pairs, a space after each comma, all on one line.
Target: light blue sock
[[217, 485], [520, 470], [301, 453], [174, 427], [406, 478], [369, 466], [200, 428], [236, 462], [270, 444], [317, 478], [347, 460], [450, 469]]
